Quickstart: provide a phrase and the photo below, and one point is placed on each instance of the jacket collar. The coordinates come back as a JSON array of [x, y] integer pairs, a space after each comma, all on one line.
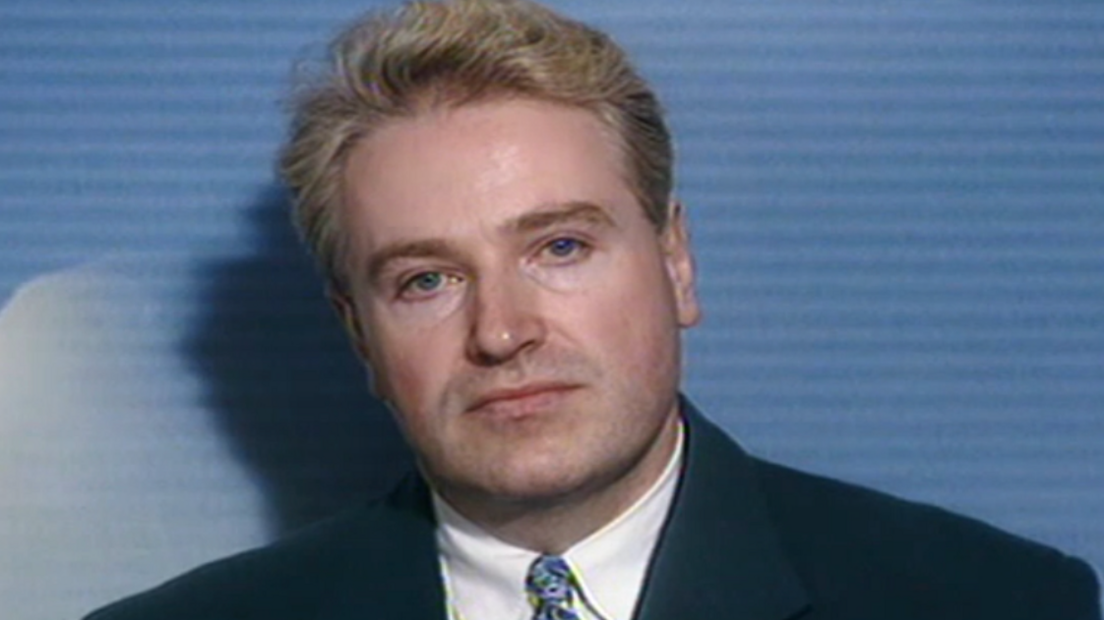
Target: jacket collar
[[719, 556], [394, 571]]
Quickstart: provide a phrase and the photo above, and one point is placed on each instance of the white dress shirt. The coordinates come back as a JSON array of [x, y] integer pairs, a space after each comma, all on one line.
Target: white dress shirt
[[484, 577]]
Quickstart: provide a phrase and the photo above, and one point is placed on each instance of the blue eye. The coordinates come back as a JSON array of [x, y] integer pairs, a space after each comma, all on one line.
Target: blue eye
[[426, 282], [564, 247], [426, 285]]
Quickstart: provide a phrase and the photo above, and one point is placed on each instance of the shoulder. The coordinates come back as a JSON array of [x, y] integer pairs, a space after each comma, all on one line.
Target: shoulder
[[272, 577], [846, 538], [289, 578]]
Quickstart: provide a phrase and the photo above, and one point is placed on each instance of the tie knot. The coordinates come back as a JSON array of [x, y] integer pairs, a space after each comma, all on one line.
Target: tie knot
[[549, 586]]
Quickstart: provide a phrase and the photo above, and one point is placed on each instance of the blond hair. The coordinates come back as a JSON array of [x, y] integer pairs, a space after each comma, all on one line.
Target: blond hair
[[427, 54]]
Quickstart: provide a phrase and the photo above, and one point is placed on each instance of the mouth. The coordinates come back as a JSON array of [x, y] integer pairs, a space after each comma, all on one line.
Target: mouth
[[521, 401]]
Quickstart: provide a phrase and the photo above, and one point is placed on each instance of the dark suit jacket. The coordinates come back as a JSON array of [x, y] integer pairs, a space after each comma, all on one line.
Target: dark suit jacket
[[746, 540]]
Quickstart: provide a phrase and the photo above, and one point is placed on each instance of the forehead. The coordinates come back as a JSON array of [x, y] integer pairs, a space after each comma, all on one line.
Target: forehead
[[461, 170]]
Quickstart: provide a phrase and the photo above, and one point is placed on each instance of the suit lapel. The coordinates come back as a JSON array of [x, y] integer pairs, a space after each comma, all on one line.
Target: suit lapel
[[393, 571], [719, 556]]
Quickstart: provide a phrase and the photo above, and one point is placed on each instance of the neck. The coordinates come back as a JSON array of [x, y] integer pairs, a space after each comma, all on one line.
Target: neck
[[555, 524]]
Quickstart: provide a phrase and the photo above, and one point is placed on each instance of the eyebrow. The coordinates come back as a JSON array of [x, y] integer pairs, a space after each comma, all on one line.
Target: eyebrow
[[575, 211], [422, 248], [546, 217]]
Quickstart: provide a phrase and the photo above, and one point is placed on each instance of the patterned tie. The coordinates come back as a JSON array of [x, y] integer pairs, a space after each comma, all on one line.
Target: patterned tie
[[549, 586]]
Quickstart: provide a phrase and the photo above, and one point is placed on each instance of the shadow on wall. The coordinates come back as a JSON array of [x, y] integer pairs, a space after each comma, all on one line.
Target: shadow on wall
[[283, 381]]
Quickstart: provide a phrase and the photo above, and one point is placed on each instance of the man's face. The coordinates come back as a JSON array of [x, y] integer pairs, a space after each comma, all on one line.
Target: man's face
[[516, 307]]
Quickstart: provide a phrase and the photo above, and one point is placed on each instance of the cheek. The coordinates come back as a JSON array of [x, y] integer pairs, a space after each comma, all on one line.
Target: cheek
[[410, 383], [428, 313], [405, 362], [571, 279], [630, 319]]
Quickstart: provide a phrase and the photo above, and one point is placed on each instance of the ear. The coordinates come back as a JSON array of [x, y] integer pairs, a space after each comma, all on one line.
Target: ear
[[680, 265], [345, 308]]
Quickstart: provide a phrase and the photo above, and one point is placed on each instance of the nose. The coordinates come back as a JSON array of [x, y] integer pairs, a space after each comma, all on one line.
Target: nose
[[505, 321]]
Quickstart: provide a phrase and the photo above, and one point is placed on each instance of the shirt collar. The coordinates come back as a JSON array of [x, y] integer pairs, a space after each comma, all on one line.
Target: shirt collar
[[484, 576]]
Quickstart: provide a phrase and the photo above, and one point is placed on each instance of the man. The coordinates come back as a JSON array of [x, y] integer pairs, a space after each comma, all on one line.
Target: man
[[488, 188]]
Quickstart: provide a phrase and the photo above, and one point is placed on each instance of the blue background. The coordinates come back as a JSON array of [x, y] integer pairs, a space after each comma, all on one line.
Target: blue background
[[898, 214]]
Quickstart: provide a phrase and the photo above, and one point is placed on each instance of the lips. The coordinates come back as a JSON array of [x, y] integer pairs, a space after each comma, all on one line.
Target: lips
[[521, 400]]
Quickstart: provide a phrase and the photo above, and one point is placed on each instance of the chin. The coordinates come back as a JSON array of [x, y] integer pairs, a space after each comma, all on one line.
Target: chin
[[522, 485], [533, 485], [544, 489]]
